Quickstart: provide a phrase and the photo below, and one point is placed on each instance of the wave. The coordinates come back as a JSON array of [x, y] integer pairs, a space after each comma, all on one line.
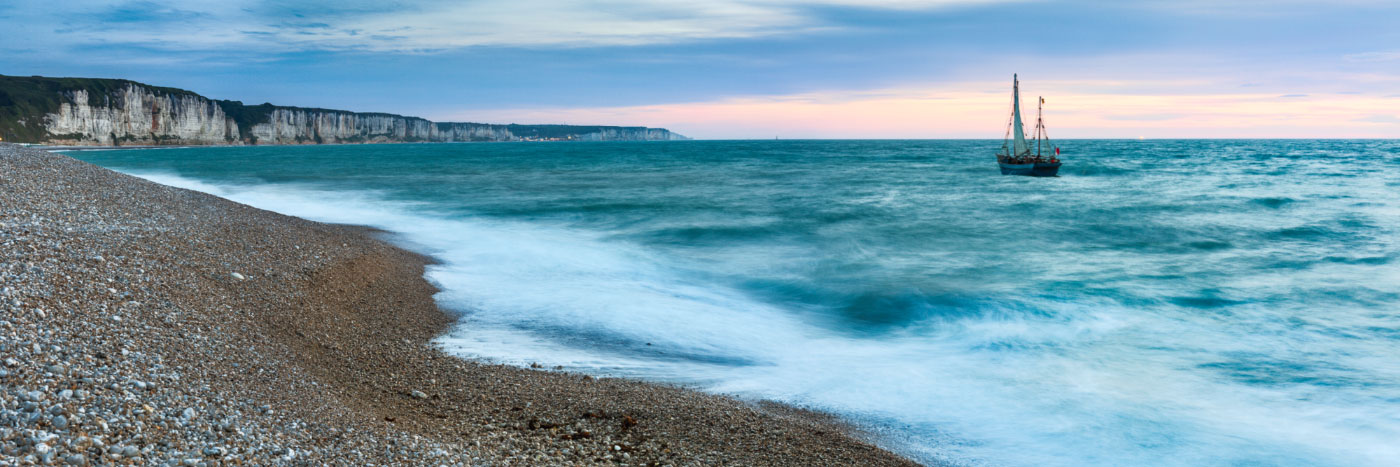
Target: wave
[[1273, 202], [984, 377]]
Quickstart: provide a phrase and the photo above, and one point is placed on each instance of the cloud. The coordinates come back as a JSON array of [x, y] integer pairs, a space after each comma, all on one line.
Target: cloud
[[433, 25], [146, 12], [1254, 8], [1145, 117], [1373, 56], [1379, 118]]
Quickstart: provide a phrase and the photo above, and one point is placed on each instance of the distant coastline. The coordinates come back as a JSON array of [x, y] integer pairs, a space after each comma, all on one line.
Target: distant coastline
[[76, 148], [120, 113]]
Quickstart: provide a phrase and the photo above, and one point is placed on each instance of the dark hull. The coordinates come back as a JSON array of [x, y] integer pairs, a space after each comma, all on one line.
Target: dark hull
[[1045, 169], [1017, 169]]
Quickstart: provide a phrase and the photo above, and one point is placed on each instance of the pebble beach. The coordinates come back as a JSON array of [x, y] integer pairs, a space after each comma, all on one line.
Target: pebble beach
[[149, 325]]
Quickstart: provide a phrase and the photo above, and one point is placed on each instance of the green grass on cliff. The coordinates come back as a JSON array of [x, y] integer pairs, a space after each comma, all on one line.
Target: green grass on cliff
[[24, 100], [247, 115]]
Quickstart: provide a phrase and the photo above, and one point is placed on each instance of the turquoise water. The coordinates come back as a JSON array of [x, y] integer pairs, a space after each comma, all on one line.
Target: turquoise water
[[1161, 303]]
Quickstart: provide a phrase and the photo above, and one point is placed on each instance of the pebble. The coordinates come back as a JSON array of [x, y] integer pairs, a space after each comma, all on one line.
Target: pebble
[[118, 349]]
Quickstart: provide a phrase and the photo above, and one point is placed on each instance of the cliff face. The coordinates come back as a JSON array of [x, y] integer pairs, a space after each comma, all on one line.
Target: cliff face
[[135, 115], [294, 126], [70, 111]]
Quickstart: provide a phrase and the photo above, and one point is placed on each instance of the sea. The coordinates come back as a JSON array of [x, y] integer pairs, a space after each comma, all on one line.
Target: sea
[[1161, 302]]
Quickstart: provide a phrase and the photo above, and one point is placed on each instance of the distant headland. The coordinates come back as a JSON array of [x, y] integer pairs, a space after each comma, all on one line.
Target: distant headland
[[118, 112]]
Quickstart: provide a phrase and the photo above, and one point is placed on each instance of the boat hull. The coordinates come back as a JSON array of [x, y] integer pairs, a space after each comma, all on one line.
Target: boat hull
[[1016, 169], [1046, 169]]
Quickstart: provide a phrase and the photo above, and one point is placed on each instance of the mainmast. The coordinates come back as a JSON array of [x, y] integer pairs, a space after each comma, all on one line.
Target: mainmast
[[1019, 148]]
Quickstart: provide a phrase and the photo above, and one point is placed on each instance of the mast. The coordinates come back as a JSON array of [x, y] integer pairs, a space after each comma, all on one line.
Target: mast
[[1019, 148], [1039, 124], [1042, 133]]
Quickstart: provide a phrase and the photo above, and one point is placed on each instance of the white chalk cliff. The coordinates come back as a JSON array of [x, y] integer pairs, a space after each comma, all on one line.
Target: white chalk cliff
[[133, 114]]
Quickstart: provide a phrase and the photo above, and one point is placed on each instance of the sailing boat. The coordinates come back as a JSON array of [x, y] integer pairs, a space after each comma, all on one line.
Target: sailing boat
[[1015, 156]]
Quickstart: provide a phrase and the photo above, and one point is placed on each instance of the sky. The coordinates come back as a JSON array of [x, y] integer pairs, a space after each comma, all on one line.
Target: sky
[[723, 69]]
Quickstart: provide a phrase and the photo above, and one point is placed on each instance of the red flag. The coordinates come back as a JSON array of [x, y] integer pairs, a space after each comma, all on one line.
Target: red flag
[[1057, 150]]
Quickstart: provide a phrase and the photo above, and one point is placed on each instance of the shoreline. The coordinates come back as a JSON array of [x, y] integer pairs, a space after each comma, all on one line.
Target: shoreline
[[62, 148], [167, 324]]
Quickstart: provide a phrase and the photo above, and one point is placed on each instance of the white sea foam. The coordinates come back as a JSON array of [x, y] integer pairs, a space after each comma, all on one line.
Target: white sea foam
[[1081, 384]]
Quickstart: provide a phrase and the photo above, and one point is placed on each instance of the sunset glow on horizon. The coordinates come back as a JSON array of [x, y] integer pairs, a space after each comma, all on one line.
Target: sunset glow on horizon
[[975, 111], [759, 68]]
